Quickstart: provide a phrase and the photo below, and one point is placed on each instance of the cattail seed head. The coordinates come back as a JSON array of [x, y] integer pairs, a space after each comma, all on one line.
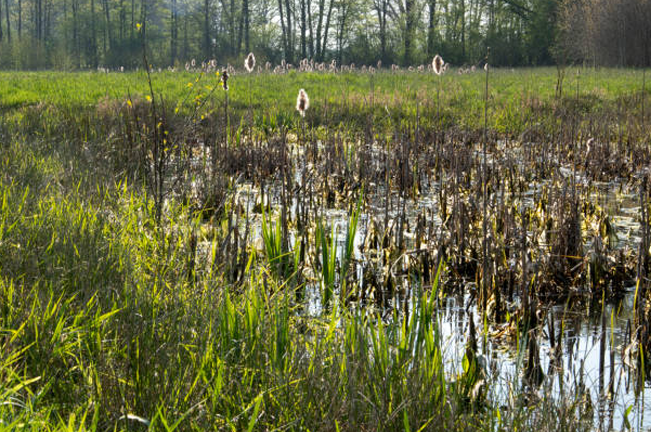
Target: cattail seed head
[[225, 80], [249, 63], [302, 102], [437, 64]]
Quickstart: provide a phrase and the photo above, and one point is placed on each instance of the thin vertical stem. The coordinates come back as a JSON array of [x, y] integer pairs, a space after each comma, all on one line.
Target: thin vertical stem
[[484, 283]]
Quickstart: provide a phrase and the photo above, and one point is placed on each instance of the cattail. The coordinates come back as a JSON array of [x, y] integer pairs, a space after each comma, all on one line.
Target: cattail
[[437, 64], [379, 64], [473, 68], [486, 67], [225, 79], [193, 63], [249, 63], [302, 102]]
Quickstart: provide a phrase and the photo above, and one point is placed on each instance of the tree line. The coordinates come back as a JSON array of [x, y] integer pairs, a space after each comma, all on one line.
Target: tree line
[[87, 34]]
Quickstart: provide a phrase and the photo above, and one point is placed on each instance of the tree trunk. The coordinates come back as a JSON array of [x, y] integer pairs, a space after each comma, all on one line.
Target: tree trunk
[[174, 32], [324, 44], [123, 19], [245, 12], [283, 27], [1, 22], [231, 26], [341, 32], [409, 30], [290, 33], [133, 17], [93, 36], [463, 29], [75, 31], [381, 7], [186, 41], [206, 29], [8, 23], [240, 32], [309, 26], [319, 24], [303, 26], [430, 28], [109, 35]]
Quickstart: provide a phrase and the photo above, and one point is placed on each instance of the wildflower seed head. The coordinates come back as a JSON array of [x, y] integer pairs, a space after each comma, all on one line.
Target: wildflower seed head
[[302, 102], [249, 63], [437, 64]]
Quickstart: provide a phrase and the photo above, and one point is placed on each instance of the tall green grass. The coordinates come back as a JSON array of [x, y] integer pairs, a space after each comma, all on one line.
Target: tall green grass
[[101, 329]]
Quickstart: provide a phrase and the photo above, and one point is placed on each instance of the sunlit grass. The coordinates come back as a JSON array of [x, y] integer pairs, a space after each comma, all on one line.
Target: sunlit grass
[[103, 325]]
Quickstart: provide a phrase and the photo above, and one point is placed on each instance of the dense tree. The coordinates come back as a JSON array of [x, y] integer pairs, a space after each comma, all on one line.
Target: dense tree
[[102, 33], [606, 32]]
